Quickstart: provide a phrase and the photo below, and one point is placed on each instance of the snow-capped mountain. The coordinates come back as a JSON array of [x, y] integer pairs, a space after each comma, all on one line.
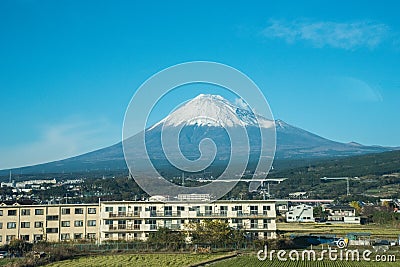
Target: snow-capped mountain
[[213, 111], [208, 116], [212, 117]]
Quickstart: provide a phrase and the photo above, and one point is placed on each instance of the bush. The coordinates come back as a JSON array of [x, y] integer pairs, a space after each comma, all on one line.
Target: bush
[[280, 243]]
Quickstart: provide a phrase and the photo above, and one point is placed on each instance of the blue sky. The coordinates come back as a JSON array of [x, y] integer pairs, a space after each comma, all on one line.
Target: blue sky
[[69, 68]]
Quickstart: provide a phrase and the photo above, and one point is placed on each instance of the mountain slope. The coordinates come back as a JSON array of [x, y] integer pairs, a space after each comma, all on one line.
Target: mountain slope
[[205, 117], [293, 142]]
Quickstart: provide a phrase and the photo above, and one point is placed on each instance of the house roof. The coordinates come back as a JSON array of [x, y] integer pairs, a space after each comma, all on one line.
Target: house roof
[[341, 207]]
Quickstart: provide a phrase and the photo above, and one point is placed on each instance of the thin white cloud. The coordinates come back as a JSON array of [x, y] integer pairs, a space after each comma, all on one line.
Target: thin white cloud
[[359, 90], [62, 140], [342, 35]]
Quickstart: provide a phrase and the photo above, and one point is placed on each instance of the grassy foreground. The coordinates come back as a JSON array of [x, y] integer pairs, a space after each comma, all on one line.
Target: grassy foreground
[[157, 260]]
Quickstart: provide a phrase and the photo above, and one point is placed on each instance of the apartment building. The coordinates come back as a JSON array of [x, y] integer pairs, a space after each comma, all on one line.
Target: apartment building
[[55, 223], [129, 220], [134, 220]]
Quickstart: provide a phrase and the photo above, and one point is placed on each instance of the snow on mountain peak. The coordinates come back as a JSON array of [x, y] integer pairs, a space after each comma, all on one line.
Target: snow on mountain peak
[[213, 110]]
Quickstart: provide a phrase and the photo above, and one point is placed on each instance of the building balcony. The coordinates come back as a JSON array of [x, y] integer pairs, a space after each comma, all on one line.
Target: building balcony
[[124, 227], [132, 227], [174, 226], [124, 214], [210, 214], [253, 215]]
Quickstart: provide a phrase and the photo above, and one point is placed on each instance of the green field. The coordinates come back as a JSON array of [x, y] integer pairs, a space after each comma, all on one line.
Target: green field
[[251, 260], [157, 260], [161, 260], [338, 229]]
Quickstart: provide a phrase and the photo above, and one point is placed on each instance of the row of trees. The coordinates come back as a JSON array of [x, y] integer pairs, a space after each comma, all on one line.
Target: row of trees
[[213, 232]]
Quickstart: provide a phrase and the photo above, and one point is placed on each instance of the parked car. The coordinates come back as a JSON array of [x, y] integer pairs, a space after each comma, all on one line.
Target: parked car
[[3, 254], [381, 243]]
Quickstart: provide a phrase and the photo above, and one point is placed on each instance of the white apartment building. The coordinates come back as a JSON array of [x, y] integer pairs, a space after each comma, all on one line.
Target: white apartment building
[[134, 220], [129, 220]]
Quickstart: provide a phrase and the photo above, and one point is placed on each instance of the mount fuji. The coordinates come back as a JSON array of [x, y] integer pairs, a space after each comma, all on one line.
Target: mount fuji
[[209, 116], [223, 112]]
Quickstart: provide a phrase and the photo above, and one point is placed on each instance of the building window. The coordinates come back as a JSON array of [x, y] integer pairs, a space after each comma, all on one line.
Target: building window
[[239, 210], [152, 210], [52, 218], [235, 220], [38, 224], [78, 236], [109, 209], [153, 224], [223, 210], [25, 212], [121, 224], [254, 224], [121, 236], [91, 210], [1, 225], [11, 225], [78, 223], [25, 224], [65, 237], [91, 223], [65, 224], [12, 212], [266, 209], [108, 222], [66, 211], [37, 237], [1, 212], [106, 235], [168, 211], [136, 211], [136, 224], [180, 209], [25, 237], [51, 230], [266, 222], [1, 238], [10, 238], [168, 224], [39, 211], [121, 209], [78, 210], [91, 236], [208, 210], [253, 210]]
